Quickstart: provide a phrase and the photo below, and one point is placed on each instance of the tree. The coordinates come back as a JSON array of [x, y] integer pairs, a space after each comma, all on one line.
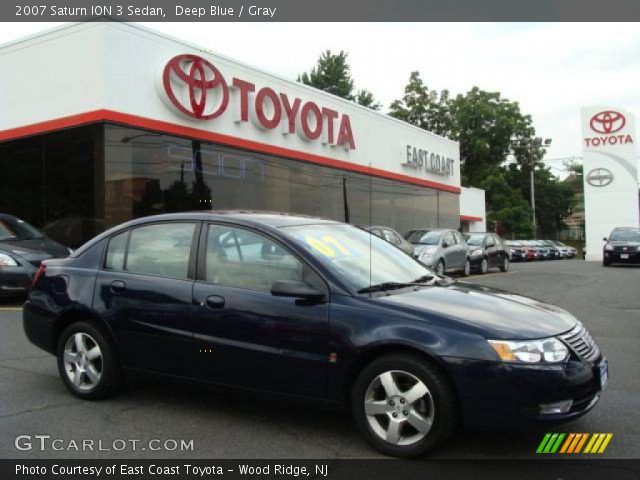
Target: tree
[[484, 124], [507, 211], [366, 99], [424, 108], [332, 74], [554, 199]]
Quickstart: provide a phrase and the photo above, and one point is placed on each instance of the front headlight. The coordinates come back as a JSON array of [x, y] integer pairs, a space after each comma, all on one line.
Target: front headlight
[[426, 254], [608, 246], [546, 350], [7, 261], [476, 252]]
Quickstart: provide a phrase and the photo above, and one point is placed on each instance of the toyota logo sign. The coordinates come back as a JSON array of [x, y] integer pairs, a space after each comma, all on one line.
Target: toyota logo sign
[[608, 121], [599, 177], [195, 87]]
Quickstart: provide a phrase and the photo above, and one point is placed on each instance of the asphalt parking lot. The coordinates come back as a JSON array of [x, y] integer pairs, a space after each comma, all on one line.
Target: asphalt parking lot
[[33, 400]]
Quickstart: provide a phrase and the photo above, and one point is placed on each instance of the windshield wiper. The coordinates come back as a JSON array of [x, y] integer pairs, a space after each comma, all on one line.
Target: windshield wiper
[[381, 287]]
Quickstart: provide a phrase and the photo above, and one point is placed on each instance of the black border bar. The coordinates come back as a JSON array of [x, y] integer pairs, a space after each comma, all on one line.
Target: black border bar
[[319, 10]]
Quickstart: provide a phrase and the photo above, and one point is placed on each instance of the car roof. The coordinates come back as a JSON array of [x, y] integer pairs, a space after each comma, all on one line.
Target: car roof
[[270, 219]]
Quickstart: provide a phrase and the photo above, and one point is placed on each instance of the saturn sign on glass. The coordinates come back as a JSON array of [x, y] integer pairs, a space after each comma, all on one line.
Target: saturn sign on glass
[[610, 174], [195, 88]]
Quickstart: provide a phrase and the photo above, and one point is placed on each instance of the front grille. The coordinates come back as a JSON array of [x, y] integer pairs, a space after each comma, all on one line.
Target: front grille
[[622, 248], [581, 341]]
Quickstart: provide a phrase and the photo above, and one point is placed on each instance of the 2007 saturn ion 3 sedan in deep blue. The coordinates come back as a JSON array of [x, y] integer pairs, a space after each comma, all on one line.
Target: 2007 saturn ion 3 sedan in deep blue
[[310, 308]]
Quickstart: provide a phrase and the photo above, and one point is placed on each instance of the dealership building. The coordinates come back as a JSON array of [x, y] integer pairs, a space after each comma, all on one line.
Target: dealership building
[[103, 122]]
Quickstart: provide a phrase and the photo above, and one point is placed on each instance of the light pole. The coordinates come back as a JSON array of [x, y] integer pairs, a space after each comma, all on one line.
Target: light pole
[[529, 144]]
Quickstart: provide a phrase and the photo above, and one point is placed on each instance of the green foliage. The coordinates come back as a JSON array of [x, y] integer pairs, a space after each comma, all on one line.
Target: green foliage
[[485, 124], [332, 74]]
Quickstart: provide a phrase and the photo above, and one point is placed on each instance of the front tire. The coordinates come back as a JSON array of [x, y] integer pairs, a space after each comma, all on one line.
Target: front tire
[[87, 361], [440, 268], [505, 265], [404, 405]]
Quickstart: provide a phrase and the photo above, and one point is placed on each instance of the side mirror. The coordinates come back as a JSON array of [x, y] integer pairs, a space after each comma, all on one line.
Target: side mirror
[[296, 289], [445, 245], [605, 239]]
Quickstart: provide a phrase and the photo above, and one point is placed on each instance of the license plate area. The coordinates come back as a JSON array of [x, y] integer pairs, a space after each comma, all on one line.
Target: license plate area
[[624, 256], [602, 370]]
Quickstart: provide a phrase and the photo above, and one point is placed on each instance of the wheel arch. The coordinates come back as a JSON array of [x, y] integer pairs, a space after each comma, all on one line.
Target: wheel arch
[[77, 315], [380, 350]]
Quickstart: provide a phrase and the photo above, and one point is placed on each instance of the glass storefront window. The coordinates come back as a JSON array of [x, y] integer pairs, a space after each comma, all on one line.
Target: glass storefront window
[[75, 183]]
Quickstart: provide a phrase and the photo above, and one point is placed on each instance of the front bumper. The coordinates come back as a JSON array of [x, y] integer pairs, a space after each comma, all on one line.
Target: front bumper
[[501, 395], [14, 281], [616, 257]]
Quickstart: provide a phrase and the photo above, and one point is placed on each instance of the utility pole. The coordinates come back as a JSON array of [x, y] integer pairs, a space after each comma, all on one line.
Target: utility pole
[[529, 144]]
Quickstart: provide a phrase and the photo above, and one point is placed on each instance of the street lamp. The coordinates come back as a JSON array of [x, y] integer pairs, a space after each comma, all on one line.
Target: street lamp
[[529, 144]]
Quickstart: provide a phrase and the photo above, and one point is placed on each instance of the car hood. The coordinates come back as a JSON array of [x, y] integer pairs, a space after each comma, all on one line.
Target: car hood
[[624, 244], [35, 249], [420, 249], [488, 312]]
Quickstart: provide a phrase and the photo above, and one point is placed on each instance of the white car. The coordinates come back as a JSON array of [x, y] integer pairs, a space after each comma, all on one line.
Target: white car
[[566, 251]]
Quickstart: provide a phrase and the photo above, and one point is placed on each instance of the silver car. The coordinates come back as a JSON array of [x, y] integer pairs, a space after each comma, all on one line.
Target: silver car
[[390, 236], [441, 250]]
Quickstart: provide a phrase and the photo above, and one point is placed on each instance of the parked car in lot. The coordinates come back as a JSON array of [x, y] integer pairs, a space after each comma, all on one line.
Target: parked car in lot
[[441, 250], [566, 251], [22, 248], [622, 246], [390, 236], [517, 251], [487, 250], [310, 308], [541, 252], [553, 252]]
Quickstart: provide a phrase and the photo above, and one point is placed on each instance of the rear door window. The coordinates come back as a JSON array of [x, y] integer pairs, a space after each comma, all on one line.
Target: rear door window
[[160, 249]]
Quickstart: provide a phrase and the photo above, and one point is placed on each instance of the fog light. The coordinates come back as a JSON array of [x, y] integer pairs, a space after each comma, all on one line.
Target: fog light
[[556, 407]]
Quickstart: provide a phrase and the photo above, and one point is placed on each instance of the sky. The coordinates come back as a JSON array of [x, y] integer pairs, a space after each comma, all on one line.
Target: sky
[[551, 69]]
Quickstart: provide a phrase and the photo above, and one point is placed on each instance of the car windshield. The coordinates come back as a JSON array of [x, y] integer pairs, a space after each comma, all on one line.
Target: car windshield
[[630, 235], [360, 258], [425, 237], [16, 229], [474, 239]]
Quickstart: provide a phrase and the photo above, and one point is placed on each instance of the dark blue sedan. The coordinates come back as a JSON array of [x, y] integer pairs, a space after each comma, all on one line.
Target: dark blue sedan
[[310, 308]]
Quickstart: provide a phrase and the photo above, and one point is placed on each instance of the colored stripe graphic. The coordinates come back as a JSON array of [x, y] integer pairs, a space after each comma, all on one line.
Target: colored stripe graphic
[[550, 443], [574, 443]]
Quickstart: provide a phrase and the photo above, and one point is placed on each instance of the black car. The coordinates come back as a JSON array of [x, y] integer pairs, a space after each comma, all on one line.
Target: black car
[[22, 248], [391, 236], [487, 250], [623, 246], [315, 309]]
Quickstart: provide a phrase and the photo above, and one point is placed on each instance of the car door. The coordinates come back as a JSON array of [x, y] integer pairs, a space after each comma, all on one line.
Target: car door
[[461, 246], [451, 253], [492, 252], [144, 292], [246, 336]]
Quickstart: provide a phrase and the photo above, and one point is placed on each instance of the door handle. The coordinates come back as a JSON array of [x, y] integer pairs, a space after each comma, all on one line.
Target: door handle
[[118, 286], [215, 301]]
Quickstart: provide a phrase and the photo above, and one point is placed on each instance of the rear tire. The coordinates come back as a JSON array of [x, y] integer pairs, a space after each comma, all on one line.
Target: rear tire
[[87, 361], [484, 266], [398, 391]]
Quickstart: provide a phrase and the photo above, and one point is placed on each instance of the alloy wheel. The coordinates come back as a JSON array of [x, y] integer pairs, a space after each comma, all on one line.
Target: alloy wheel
[[440, 268], [467, 268], [83, 361], [399, 407]]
